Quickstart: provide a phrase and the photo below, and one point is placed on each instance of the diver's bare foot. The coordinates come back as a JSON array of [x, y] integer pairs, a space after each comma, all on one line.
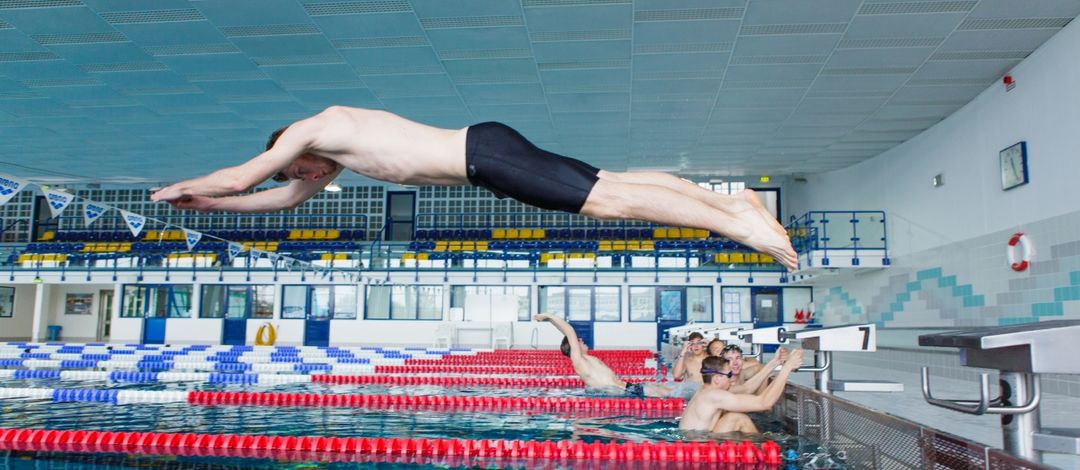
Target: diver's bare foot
[[765, 234]]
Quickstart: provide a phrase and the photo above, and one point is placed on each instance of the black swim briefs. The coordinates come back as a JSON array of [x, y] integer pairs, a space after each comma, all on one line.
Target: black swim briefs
[[635, 390], [503, 161]]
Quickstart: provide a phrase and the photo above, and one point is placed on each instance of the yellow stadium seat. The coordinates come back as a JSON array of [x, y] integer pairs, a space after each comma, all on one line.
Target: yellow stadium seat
[[525, 233], [648, 245], [575, 255], [766, 259], [738, 258], [512, 234], [686, 233], [333, 234], [318, 234], [753, 258], [307, 234], [482, 246], [701, 233], [454, 246], [295, 234], [498, 234], [468, 245], [618, 245], [441, 245], [341, 256], [545, 257], [604, 245], [421, 256], [326, 257], [590, 255], [633, 245], [673, 233], [722, 258], [47, 236], [408, 255], [539, 233], [659, 233]]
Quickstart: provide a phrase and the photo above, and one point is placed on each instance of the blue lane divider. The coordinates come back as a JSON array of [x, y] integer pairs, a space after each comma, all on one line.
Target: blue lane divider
[[232, 367], [35, 355], [84, 395], [154, 365], [11, 362], [37, 374], [74, 364], [354, 360], [95, 357], [135, 377], [233, 378], [306, 368], [70, 350]]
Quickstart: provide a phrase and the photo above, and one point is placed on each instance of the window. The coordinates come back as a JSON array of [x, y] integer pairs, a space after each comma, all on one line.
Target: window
[[400, 302], [796, 299], [294, 302], [582, 303], [237, 301], [156, 301], [213, 302], [498, 303], [736, 304], [263, 300], [344, 303], [643, 304], [699, 304]]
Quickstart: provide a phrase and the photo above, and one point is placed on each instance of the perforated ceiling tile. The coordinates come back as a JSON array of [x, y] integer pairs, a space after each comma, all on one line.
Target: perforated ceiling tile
[[1013, 23], [470, 22], [882, 43], [5, 25], [151, 16], [550, 3], [980, 55], [226, 76], [191, 49], [298, 60], [778, 59], [688, 14], [680, 48], [485, 54], [897, 8], [597, 35], [26, 56], [83, 38], [124, 67], [812, 28], [361, 43], [870, 71], [949, 81], [357, 7], [585, 64], [17, 4], [61, 82], [269, 30]]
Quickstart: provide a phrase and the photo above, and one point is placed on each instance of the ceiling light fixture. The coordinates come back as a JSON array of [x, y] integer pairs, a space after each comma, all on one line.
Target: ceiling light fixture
[[332, 187]]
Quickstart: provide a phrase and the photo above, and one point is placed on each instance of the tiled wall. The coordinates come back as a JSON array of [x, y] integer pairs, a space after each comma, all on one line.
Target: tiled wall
[[965, 283]]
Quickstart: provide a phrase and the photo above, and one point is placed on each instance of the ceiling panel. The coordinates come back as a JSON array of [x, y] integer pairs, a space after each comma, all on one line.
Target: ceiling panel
[[130, 90]]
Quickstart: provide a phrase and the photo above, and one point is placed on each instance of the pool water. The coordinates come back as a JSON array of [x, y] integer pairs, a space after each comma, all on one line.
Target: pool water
[[400, 422]]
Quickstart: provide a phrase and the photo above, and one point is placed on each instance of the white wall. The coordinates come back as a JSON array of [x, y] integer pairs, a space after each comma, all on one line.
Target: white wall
[[75, 327], [1043, 109], [129, 330], [193, 330], [19, 325]]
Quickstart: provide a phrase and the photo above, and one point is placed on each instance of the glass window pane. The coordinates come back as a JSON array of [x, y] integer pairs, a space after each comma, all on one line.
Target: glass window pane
[[377, 305], [294, 302], [553, 300], [344, 302], [607, 304], [237, 303], [643, 304], [579, 304], [402, 303], [179, 305], [796, 299], [212, 301], [671, 307], [430, 300], [320, 302], [134, 302], [736, 305], [263, 302], [524, 301], [699, 304]]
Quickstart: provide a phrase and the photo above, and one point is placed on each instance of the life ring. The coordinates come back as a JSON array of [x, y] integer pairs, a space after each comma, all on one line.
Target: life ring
[[1022, 264], [269, 331]]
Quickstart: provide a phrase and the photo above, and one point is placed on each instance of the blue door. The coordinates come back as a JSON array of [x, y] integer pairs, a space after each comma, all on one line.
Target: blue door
[[237, 312], [317, 319], [670, 311], [153, 330], [579, 312]]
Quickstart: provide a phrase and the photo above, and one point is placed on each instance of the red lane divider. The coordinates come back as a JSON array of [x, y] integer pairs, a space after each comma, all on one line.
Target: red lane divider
[[669, 406], [505, 382], [543, 362], [288, 447], [455, 369]]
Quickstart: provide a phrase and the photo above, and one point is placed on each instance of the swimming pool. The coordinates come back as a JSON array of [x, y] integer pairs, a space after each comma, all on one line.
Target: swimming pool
[[397, 414]]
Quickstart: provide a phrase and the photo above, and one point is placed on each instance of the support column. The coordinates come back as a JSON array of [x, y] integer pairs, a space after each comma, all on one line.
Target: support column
[[41, 314], [1018, 430]]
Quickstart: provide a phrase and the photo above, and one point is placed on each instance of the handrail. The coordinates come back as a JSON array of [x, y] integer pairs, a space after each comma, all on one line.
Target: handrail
[[984, 404]]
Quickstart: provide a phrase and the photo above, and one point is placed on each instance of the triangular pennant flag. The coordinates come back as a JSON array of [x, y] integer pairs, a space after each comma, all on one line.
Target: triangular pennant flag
[[135, 222], [9, 187], [256, 254], [58, 201], [274, 257], [234, 250], [93, 211], [192, 238]]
